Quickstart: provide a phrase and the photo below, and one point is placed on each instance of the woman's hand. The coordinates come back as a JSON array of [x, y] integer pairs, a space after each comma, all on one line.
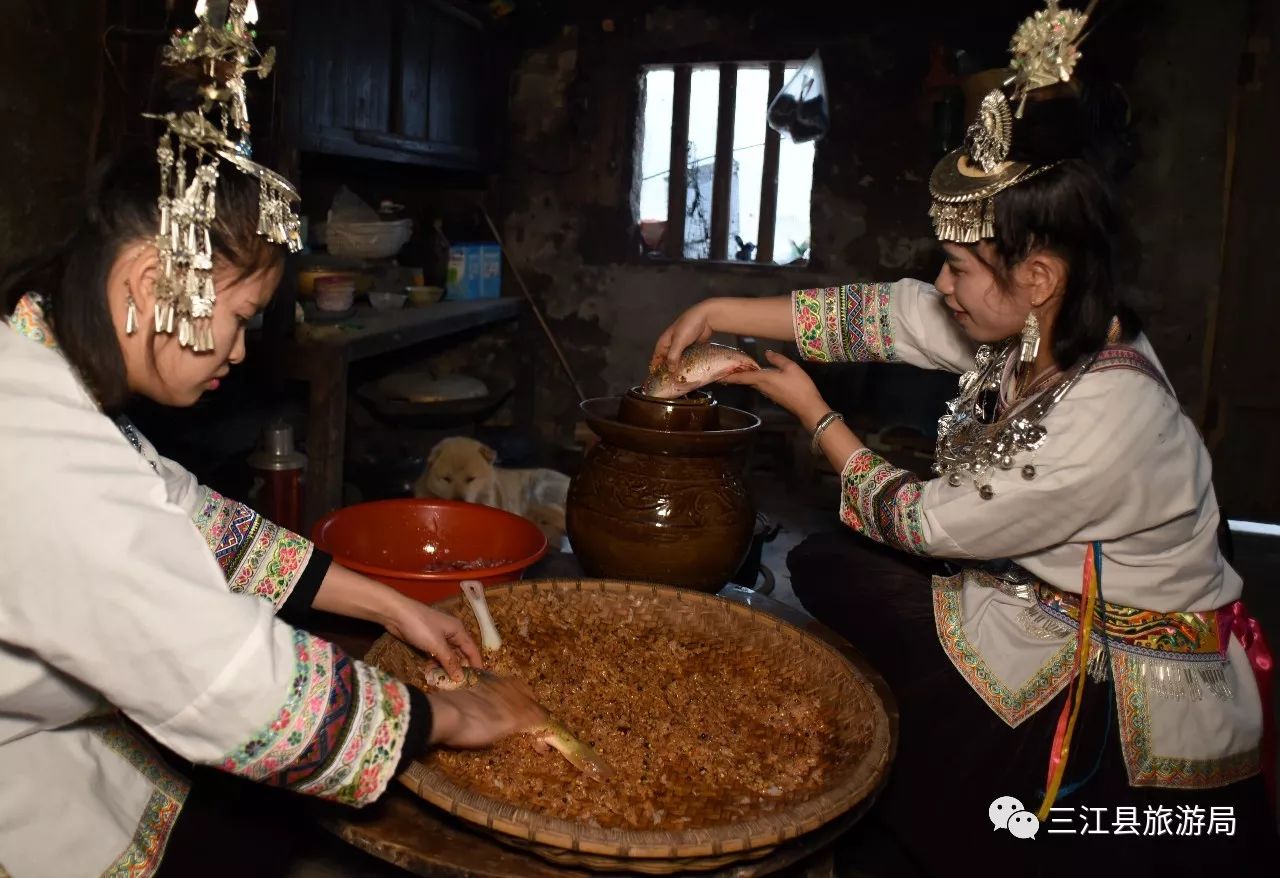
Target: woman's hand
[[437, 633], [348, 593], [694, 325], [788, 385], [791, 387], [765, 318], [483, 714]]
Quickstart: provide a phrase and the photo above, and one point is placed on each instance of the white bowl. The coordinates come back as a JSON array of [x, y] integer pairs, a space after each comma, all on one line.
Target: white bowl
[[336, 294], [387, 301], [380, 240]]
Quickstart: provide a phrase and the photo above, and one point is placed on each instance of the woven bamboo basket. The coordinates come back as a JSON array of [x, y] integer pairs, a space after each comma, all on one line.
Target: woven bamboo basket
[[798, 661]]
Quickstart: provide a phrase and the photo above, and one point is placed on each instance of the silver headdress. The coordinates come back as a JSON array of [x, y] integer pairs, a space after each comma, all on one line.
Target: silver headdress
[[965, 182], [194, 144]]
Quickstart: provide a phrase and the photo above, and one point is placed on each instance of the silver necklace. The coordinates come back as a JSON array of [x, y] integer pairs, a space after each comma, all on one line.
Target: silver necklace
[[131, 433], [973, 442]]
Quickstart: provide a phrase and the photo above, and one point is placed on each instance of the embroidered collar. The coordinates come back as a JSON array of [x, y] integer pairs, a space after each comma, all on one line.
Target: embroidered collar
[[28, 320]]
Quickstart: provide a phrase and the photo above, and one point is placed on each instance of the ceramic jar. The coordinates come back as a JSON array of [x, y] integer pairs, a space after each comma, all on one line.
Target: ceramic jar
[[662, 497]]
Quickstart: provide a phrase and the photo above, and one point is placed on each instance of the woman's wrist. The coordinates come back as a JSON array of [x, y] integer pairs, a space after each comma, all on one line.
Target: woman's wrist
[[444, 718], [718, 311], [811, 412], [348, 593], [388, 606], [838, 443]]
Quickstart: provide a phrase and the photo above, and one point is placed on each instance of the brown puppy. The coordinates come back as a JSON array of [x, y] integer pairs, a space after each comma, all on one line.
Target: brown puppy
[[461, 468]]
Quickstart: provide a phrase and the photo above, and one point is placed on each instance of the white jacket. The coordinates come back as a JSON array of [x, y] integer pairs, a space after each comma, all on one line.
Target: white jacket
[[132, 596], [1120, 465]]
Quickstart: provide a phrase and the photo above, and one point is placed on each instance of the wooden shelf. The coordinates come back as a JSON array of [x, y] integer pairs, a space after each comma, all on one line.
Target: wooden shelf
[[321, 354], [370, 332]]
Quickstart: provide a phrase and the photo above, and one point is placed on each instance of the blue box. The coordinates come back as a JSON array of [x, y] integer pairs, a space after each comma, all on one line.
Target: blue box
[[475, 272]]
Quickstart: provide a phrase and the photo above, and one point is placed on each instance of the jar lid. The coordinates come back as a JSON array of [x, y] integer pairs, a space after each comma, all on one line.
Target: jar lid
[[277, 451]]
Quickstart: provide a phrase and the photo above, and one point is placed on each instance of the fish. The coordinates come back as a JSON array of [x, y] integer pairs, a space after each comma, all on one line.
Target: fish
[[579, 755], [551, 731], [701, 364], [473, 591]]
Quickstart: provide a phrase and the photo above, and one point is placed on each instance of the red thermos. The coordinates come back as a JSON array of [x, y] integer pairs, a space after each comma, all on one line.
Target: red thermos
[[278, 483]]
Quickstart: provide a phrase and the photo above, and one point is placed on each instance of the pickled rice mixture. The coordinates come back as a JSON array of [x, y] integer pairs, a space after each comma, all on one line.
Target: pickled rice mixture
[[698, 734]]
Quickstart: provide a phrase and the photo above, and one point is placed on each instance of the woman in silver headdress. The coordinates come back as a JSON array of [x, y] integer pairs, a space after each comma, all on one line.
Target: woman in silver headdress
[[140, 607], [1108, 673]]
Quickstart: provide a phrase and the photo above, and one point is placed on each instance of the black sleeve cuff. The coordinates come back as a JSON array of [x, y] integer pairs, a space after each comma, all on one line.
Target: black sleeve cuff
[[297, 606], [419, 733]]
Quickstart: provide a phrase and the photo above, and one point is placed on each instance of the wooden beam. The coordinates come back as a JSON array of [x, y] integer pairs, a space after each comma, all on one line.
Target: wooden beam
[[395, 90], [677, 193], [722, 189], [769, 183], [326, 437]]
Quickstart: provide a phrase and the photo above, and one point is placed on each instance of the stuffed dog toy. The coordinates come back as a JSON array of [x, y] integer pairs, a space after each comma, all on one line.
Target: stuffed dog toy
[[461, 468]]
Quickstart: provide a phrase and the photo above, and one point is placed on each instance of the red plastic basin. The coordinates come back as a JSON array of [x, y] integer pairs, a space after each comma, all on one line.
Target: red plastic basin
[[400, 541]]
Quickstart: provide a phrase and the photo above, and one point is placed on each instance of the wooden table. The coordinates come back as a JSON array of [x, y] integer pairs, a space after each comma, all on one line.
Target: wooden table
[[423, 840], [321, 354]]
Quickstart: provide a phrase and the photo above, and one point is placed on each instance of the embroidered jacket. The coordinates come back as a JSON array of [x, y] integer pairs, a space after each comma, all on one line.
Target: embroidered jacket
[[135, 597], [1121, 464]]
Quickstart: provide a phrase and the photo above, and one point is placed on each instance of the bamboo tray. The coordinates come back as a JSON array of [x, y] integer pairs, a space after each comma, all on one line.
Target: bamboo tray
[[799, 661]]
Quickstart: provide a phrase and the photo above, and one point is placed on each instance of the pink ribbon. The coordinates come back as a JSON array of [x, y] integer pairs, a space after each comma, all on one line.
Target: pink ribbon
[[1247, 630]]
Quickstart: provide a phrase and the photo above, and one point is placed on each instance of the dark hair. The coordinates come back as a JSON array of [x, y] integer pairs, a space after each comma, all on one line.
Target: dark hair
[[121, 209], [1070, 210]]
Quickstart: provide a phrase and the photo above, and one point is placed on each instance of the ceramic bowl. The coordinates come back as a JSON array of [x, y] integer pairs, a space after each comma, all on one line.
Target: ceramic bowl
[[424, 295], [387, 301], [335, 293]]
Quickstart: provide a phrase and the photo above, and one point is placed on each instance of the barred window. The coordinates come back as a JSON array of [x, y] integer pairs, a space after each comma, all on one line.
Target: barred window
[[714, 181]]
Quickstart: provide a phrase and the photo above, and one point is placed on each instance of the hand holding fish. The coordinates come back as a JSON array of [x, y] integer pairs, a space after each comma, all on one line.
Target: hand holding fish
[[691, 327], [434, 632], [548, 730], [768, 317], [483, 713]]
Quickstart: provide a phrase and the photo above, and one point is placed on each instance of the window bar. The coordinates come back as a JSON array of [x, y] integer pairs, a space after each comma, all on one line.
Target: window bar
[[723, 179], [769, 185], [677, 191]]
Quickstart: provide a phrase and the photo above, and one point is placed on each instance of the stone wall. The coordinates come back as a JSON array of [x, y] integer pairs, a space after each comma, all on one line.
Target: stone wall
[[567, 183]]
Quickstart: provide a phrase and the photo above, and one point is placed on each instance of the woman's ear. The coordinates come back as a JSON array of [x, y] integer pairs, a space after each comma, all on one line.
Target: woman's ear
[[1044, 275], [139, 267]]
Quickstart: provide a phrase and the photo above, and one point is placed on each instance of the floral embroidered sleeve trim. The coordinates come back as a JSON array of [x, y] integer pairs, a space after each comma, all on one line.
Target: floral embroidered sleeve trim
[[340, 733], [882, 502], [296, 609], [844, 324], [256, 556]]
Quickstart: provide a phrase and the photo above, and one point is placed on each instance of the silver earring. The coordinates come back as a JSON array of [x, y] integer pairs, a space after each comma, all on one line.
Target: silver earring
[[1030, 339], [131, 317]]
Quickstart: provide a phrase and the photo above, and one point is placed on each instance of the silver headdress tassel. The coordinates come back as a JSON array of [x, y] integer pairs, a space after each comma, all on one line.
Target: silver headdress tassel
[[191, 151]]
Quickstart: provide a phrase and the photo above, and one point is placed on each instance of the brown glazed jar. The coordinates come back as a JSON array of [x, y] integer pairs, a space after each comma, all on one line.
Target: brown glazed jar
[[663, 505]]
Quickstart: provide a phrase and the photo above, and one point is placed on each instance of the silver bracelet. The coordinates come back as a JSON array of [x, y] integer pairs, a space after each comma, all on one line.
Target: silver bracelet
[[827, 420]]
